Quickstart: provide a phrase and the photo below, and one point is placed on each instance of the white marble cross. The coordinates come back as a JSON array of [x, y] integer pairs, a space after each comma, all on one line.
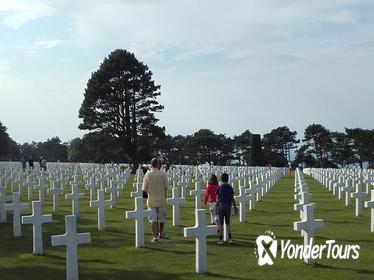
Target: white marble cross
[[29, 184], [197, 193], [242, 198], [368, 181], [175, 201], [358, 195], [3, 199], [63, 181], [260, 186], [200, 231], [74, 196], [138, 214], [71, 239], [100, 203], [41, 187], [91, 187], [55, 191], [16, 207], [113, 189], [75, 180], [101, 181], [37, 219], [139, 190], [304, 198], [252, 192], [370, 204], [348, 189], [308, 224]]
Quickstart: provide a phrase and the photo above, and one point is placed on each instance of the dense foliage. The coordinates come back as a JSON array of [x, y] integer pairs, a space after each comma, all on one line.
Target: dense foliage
[[319, 147], [120, 102]]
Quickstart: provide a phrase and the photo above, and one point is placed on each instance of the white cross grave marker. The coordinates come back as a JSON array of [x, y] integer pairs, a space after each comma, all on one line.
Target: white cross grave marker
[[3, 199], [200, 231], [358, 195], [242, 198], [113, 189], [29, 185], [55, 191], [197, 193], [71, 239], [348, 189], [41, 187], [37, 219], [308, 224], [175, 201], [139, 190], [252, 192], [370, 204], [91, 187], [16, 207], [138, 214], [74, 196], [100, 203], [304, 198]]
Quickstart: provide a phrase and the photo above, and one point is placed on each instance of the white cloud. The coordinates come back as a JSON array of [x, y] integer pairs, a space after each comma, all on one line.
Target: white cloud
[[340, 17], [255, 57], [4, 69], [47, 44], [15, 13], [182, 30]]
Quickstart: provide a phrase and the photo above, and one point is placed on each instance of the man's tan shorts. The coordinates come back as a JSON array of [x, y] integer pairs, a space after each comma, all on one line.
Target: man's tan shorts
[[157, 214]]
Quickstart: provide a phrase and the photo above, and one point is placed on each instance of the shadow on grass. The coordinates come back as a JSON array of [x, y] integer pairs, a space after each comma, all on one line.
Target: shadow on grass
[[220, 276], [45, 272], [362, 271], [179, 252], [100, 261], [342, 222], [274, 225]]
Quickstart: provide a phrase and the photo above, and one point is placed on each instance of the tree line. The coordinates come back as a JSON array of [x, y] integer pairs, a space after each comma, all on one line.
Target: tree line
[[118, 115], [319, 147]]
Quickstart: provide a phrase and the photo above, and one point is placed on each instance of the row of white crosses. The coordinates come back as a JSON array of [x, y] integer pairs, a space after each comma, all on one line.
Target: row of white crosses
[[71, 238], [57, 188], [349, 181], [200, 231], [308, 225], [140, 213], [36, 219]]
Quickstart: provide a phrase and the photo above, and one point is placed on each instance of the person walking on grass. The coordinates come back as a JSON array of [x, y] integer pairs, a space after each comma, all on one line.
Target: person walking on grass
[[23, 163], [43, 164], [225, 199], [31, 163], [155, 184], [210, 198]]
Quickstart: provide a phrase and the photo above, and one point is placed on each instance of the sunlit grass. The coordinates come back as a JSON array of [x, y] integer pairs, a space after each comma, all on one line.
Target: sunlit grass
[[112, 255]]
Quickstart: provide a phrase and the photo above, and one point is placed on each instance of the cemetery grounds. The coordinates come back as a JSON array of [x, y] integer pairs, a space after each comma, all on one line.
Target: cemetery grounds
[[112, 253]]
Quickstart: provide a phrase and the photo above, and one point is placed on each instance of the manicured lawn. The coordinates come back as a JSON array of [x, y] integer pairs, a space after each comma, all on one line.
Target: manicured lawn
[[112, 255]]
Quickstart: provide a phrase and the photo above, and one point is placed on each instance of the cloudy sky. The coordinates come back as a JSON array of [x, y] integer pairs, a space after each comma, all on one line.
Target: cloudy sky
[[224, 65]]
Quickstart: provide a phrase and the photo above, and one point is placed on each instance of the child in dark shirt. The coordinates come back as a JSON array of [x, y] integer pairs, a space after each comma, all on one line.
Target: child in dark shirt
[[225, 199]]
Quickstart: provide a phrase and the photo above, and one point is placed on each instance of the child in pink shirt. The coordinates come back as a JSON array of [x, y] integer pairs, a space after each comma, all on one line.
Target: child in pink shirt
[[211, 197]]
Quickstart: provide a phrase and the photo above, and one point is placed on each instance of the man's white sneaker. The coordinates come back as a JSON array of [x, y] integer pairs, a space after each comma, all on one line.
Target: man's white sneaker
[[154, 239]]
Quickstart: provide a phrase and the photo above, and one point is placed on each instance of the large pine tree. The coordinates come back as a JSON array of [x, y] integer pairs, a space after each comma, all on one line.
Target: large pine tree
[[120, 100]]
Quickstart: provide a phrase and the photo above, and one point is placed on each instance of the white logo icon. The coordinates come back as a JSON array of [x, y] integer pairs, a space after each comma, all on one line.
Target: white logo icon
[[266, 248]]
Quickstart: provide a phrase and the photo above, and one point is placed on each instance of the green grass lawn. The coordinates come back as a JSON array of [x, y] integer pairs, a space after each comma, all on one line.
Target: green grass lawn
[[112, 254]]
